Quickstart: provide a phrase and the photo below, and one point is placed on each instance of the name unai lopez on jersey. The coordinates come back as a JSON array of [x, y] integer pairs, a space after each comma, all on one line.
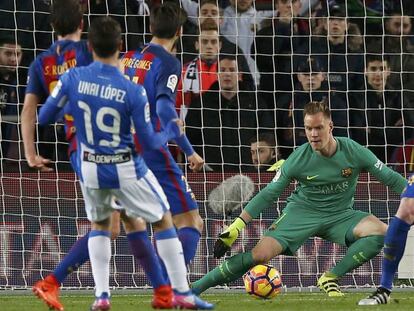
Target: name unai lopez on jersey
[[103, 91]]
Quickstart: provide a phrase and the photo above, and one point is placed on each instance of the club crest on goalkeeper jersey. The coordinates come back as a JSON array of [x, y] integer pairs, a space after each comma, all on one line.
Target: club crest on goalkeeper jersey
[[49, 66], [102, 103]]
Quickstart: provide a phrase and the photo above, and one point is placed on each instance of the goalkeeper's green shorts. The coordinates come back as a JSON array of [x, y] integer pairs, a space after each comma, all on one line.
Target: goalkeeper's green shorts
[[295, 226]]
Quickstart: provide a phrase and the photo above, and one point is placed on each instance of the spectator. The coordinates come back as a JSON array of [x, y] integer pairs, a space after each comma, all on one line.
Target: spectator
[[223, 119], [67, 52], [263, 151], [369, 15], [273, 47], [137, 24], [344, 66], [311, 87], [132, 15], [10, 92], [400, 54], [379, 110], [199, 74], [198, 13], [241, 20], [209, 9], [29, 21], [319, 19]]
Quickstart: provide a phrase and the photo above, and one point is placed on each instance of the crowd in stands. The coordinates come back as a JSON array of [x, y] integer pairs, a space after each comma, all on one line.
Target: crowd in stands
[[249, 67]]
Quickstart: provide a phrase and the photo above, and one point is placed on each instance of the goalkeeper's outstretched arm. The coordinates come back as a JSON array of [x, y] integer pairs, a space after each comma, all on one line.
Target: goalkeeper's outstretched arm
[[262, 200], [267, 196]]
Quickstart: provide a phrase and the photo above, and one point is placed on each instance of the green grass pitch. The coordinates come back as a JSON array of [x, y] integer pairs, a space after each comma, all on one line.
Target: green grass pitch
[[224, 302]]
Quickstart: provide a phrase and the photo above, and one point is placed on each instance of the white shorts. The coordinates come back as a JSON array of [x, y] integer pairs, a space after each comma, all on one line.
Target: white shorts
[[142, 198]]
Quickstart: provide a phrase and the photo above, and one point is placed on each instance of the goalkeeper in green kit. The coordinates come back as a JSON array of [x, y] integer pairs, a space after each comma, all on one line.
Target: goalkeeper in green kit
[[326, 169]]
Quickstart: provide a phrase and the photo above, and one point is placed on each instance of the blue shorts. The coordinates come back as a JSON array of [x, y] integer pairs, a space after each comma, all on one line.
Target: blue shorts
[[172, 181], [409, 190]]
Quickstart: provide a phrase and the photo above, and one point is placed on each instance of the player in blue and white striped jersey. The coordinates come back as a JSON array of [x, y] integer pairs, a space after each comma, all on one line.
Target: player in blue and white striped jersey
[[68, 51], [105, 106]]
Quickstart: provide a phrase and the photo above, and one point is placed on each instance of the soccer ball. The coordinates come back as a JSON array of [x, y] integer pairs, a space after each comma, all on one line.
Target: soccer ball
[[263, 281]]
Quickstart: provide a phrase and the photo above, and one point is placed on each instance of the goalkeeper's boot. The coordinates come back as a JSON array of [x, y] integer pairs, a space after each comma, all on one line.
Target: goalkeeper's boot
[[380, 297], [48, 291], [163, 297], [328, 282], [102, 303], [191, 302]]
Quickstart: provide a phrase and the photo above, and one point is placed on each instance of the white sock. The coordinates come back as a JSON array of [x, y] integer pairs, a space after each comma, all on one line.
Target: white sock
[[171, 253], [100, 256]]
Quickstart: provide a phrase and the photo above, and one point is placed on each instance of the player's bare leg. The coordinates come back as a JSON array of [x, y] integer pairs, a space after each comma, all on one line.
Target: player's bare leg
[[369, 239], [266, 249]]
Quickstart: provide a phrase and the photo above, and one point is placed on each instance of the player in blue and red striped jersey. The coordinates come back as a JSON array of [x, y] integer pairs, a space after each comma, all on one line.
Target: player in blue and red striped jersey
[[158, 71], [68, 51], [105, 106], [45, 71]]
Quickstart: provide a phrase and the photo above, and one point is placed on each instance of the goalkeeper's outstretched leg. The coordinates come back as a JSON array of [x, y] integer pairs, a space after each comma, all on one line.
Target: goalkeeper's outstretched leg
[[234, 267], [365, 239]]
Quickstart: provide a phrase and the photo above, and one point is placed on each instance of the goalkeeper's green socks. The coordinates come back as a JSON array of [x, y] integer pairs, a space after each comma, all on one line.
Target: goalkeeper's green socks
[[228, 271], [358, 253]]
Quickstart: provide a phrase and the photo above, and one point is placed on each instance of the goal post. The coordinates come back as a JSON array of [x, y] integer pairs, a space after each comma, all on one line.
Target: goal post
[[42, 214]]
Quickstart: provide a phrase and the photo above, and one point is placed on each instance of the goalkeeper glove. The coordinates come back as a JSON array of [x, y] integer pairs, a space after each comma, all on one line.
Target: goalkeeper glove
[[226, 239], [275, 167]]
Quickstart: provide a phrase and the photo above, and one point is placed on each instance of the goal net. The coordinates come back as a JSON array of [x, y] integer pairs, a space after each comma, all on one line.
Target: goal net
[[358, 58]]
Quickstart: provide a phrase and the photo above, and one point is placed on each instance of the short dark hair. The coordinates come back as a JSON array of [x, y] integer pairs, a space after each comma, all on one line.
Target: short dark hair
[[310, 65], [104, 36], [215, 2], [373, 57], [8, 38], [230, 57], [315, 107], [267, 137], [66, 16], [166, 19]]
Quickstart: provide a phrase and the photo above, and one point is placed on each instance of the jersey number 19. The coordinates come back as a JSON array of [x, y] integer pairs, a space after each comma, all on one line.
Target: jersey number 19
[[114, 129]]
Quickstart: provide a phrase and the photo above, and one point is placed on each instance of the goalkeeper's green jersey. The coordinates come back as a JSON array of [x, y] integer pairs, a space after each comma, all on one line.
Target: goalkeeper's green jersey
[[325, 184]]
